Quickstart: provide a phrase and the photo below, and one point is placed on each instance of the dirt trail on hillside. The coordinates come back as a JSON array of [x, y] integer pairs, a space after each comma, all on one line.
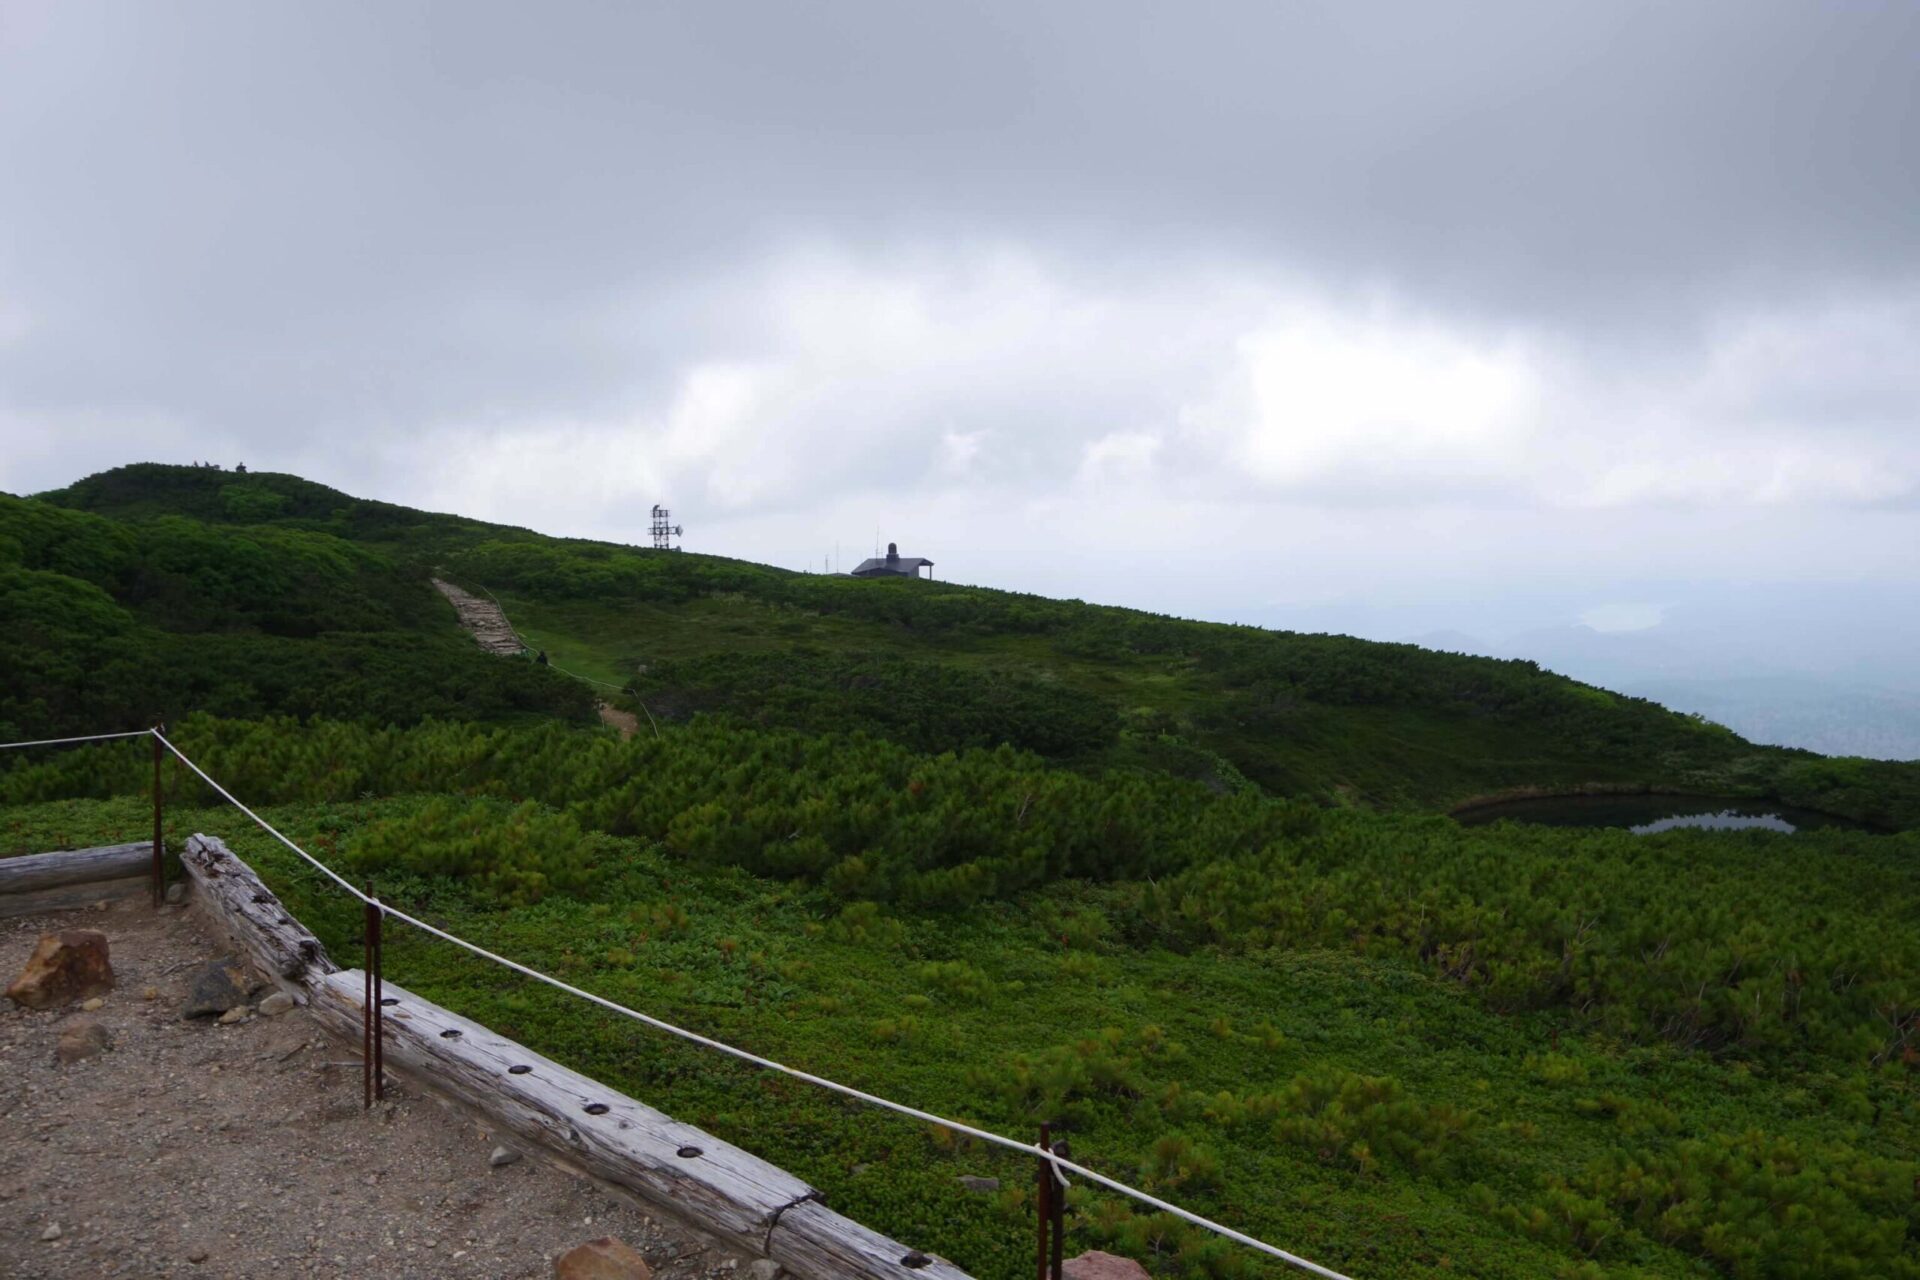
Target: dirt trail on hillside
[[242, 1151], [488, 623], [484, 618], [625, 721]]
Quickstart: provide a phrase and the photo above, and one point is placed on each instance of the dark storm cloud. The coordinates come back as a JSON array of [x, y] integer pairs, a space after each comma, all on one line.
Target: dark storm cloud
[[377, 174]]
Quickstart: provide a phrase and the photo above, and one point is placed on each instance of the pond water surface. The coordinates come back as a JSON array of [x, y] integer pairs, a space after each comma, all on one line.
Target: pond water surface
[[1644, 815]]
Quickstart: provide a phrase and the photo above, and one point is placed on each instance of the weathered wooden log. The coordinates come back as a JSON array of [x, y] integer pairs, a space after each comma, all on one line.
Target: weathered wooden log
[[75, 866], [812, 1240], [721, 1189], [69, 897], [240, 904], [70, 878]]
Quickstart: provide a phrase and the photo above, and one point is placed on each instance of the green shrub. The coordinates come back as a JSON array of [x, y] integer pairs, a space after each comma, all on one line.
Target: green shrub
[[1765, 1208], [958, 981], [1363, 1121], [1175, 1162], [514, 853], [1054, 1085]]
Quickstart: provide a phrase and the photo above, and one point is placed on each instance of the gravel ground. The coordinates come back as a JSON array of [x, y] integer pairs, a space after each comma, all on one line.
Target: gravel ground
[[239, 1151]]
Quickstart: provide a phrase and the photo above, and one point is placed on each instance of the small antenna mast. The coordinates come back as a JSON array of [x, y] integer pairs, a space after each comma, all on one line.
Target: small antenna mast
[[664, 530]]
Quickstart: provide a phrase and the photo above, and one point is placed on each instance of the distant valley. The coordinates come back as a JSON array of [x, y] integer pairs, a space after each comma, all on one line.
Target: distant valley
[[1845, 715]]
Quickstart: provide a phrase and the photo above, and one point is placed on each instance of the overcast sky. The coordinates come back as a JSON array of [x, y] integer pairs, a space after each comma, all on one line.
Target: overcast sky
[[1370, 317]]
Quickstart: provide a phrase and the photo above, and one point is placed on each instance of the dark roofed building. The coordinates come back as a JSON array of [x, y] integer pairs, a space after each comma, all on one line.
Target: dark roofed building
[[893, 564]]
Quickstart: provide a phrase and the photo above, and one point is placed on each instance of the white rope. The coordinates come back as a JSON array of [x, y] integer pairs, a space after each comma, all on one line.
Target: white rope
[[318, 865], [1060, 1163], [91, 737]]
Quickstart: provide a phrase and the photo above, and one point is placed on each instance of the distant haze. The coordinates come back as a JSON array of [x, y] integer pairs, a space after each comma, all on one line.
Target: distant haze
[[1836, 698], [1500, 319]]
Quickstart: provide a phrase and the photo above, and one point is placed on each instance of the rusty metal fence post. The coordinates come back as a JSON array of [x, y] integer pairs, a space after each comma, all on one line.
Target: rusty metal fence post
[[372, 1056], [1057, 1200], [1050, 1209], [1043, 1203], [159, 825]]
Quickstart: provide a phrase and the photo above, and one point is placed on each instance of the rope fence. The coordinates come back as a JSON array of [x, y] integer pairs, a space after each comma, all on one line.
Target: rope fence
[[1060, 1164], [87, 737]]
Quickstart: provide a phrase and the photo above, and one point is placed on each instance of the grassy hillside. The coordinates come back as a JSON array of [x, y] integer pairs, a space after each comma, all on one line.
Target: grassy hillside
[[1178, 888], [930, 665], [115, 623]]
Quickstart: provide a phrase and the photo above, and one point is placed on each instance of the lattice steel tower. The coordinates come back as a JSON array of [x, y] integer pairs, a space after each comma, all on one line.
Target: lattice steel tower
[[664, 530]]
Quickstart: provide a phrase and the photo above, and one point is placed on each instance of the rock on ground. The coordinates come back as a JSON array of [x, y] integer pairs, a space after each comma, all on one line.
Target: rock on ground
[[1096, 1265], [219, 986], [65, 966], [82, 1038], [602, 1259]]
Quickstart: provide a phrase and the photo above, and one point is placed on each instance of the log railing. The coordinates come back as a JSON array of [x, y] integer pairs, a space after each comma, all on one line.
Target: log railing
[[573, 1120], [74, 878]]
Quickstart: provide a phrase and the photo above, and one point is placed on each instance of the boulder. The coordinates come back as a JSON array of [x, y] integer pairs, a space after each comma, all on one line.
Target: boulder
[[602, 1259], [276, 1004], [82, 1038], [66, 966], [177, 892], [501, 1157], [1095, 1265], [218, 987]]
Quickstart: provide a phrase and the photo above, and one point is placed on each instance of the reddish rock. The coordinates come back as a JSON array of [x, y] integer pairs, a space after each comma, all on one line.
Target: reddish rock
[[602, 1259], [82, 1038], [1095, 1265], [67, 966]]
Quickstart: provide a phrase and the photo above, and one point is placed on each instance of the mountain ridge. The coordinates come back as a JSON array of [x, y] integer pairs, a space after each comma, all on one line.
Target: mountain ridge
[[936, 665]]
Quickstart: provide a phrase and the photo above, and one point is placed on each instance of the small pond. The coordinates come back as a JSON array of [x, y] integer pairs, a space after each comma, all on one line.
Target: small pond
[[1644, 815]]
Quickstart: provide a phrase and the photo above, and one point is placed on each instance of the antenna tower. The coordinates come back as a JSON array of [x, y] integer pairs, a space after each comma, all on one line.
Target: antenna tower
[[664, 529]]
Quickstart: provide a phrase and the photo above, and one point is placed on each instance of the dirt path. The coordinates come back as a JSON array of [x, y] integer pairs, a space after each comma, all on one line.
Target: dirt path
[[625, 721], [193, 1149], [484, 618], [488, 623]]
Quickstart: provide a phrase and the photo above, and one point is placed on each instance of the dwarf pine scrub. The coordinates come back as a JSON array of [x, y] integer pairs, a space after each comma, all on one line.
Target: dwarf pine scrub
[[1178, 889], [1391, 1043]]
